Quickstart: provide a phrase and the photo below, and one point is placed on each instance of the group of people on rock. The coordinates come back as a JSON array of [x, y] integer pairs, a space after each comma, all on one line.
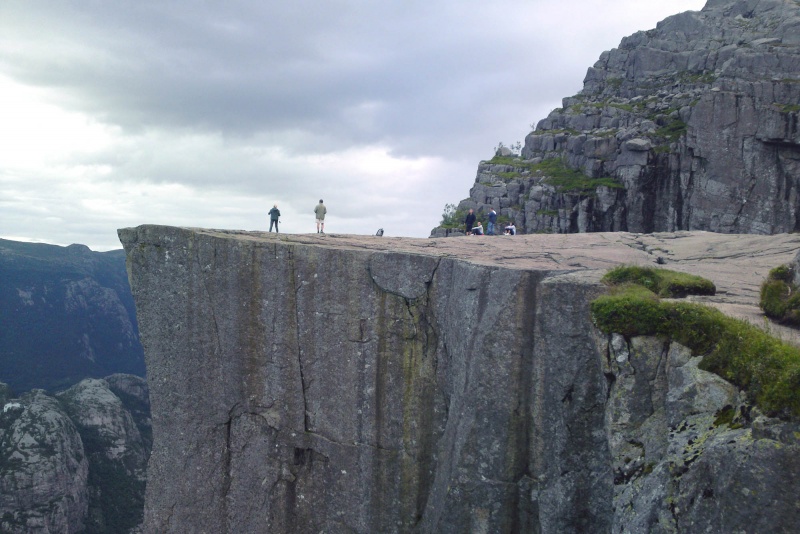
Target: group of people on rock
[[471, 225], [473, 228]]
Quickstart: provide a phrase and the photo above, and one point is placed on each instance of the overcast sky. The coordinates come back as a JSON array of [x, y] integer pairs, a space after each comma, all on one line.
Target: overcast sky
[[204, 113]]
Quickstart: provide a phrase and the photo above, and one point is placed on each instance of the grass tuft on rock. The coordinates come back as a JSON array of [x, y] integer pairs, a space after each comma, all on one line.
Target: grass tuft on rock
[[571, 181], [760, 364], [662, 282], [780, 298]]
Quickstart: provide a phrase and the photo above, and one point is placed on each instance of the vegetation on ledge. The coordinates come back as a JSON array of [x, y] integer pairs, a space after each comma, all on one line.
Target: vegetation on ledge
[[567, 180], [557, 174], [760, 364], [780, 298], [452, 217], [514, 161], [662, 282], [673, 130]]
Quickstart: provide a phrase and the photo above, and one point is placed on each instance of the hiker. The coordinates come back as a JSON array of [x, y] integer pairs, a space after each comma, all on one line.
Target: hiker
[[469, 221], [320, 211], [511, 229], [478, 230], [274, 214], [492, 220]]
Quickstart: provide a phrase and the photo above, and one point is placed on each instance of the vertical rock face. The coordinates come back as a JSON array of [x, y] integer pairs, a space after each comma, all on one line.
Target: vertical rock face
[[690, 126], [688, 454], [304, 389], [303, 385]]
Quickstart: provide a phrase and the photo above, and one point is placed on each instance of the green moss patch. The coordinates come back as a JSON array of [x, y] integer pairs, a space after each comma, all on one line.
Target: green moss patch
[[547, 213], [780, 298], [765, 367], [662, 282], [788, 108], [673, 130], [557, 174], [567, 180], [514, 161]]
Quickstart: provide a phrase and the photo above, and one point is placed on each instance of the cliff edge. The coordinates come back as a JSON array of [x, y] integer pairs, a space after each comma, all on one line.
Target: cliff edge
[[331, 383]]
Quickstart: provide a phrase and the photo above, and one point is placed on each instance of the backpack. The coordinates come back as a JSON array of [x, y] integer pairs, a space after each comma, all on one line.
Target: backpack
[[379, 232]]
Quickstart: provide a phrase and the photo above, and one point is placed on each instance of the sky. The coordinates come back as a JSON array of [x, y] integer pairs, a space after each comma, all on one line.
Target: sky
[[206, 114]]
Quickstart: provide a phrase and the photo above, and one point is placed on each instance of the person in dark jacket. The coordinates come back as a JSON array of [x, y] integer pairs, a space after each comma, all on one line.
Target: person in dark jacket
[[469, 221], [492, 220], [274, 215]]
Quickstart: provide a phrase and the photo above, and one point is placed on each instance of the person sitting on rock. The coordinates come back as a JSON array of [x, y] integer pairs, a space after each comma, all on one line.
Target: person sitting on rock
[[478, 230], [511, 229]]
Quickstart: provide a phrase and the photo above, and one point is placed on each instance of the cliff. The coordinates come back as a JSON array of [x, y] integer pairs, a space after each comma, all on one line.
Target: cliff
[[692, 125], [364, 384]]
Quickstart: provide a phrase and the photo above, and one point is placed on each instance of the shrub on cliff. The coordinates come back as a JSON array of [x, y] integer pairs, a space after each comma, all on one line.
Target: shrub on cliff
[[662, 282], [780, 298], [765, 367], [452, 217], [572, 181]]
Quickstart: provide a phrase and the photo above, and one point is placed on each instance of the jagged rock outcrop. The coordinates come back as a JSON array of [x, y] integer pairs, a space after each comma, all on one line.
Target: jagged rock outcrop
[[693, 125], [116, 451], [67, 314], [74, 462], [357, 384], [43, 469], [688, 453]]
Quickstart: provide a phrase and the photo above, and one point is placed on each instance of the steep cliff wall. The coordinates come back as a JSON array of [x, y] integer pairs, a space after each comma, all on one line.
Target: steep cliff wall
[[690, 126], [345, 384]]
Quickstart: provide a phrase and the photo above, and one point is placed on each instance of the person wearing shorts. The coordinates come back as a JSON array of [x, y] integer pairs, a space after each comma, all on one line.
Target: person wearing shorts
[[319, 212]]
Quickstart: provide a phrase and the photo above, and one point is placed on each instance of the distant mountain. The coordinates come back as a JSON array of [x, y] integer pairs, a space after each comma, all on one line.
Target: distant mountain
[[67, 314]]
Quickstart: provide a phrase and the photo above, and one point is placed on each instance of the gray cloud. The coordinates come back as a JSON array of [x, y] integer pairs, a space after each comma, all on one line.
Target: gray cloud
[[247, 99]]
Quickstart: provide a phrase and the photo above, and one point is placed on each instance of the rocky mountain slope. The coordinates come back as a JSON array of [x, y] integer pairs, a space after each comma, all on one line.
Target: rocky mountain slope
[[75, 463], [67, 314], [334, 383], [694, 125]]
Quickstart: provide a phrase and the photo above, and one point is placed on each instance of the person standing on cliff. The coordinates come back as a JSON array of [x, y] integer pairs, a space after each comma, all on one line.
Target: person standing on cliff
[[320, 212], [492, 220], [274, 214], [469, 221]]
